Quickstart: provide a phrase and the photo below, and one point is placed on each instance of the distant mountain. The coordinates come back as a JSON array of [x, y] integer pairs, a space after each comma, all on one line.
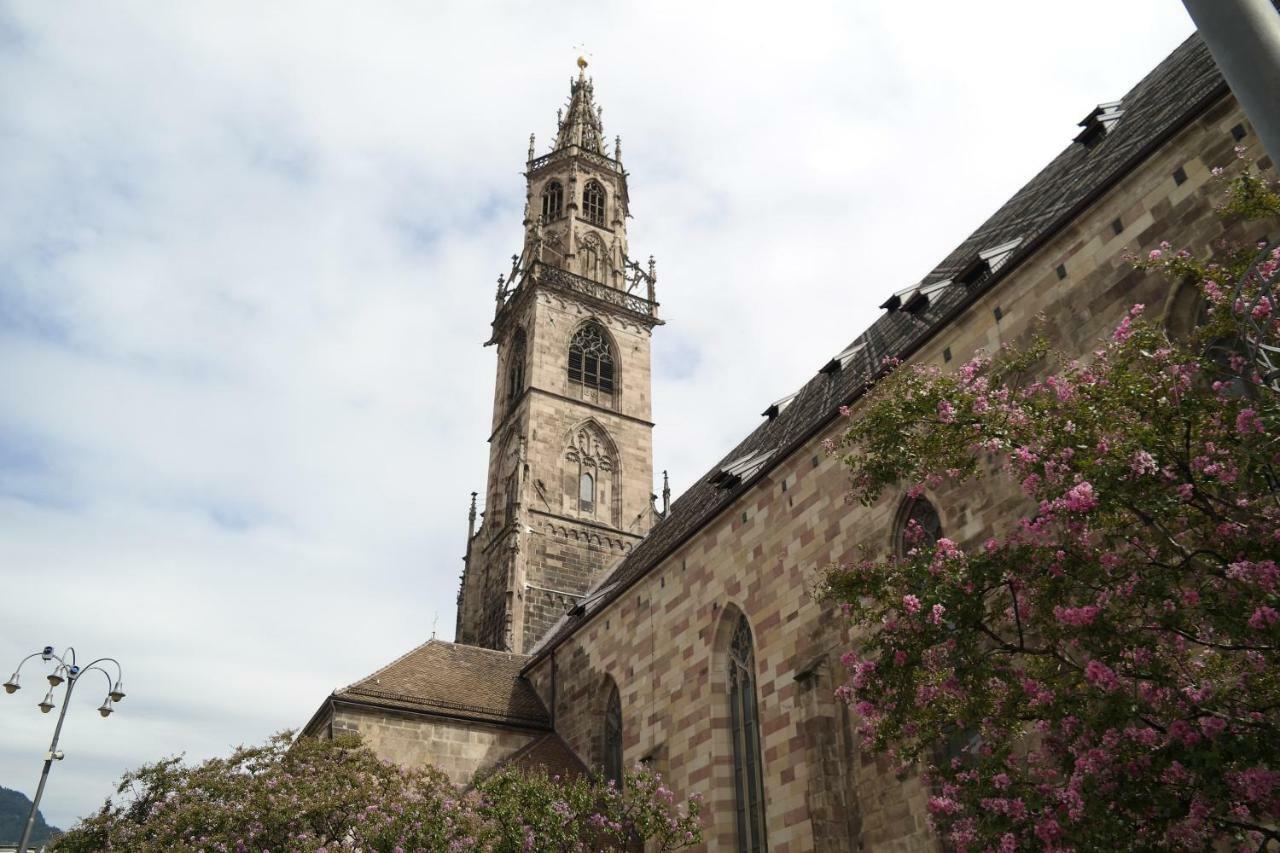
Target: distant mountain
[[14, 808]]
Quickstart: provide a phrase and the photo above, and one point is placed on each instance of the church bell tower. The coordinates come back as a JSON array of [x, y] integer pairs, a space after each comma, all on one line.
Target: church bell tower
[[570, 480]]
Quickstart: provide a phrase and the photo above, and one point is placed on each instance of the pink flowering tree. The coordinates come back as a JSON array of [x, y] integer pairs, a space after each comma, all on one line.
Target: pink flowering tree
[[1104, 672], [328, 796]]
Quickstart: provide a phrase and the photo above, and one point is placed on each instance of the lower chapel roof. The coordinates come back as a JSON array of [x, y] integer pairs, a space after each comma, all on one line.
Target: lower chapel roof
[[1116, 138], [451, 680]]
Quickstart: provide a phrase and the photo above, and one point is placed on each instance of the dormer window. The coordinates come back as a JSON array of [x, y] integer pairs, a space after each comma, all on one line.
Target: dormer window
[[593, 203], [552, 201], [1099, 123]]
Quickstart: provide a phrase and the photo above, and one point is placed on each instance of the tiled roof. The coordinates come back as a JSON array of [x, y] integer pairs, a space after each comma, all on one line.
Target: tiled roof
[[548, 753], [1178, 90], [456, 681]]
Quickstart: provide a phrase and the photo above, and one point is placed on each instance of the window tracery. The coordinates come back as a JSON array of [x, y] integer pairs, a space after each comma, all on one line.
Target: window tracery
[[593, 198], [552, 201], [592, 259], [919, 526], [591, 474], [591, 366], [748, 776]]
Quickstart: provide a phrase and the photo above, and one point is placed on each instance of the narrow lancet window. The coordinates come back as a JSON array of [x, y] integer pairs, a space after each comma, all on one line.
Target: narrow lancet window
[[613, 736], [587, 493], [515, 368], [744, 717]]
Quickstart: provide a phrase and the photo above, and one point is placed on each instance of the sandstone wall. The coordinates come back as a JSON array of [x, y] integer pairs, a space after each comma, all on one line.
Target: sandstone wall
[[459, 748]]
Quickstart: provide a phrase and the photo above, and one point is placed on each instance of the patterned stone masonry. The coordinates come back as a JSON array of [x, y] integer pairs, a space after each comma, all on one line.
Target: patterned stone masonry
[[663, 639]]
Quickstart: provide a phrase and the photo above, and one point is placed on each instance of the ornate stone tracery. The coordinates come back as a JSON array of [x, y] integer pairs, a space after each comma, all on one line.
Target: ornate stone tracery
[[591, 453]]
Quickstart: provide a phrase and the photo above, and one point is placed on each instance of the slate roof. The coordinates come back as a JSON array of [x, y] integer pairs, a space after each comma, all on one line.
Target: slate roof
[[1178, 90], [447, 679]]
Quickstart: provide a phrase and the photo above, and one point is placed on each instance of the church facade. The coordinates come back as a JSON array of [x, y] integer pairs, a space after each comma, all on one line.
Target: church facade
[[597, 628]]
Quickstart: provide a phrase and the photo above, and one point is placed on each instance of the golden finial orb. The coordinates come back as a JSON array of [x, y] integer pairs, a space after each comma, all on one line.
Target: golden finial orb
[[582, 62]]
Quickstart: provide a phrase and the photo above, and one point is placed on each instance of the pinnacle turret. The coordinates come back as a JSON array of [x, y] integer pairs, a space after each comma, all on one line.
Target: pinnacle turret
[[580, 123]]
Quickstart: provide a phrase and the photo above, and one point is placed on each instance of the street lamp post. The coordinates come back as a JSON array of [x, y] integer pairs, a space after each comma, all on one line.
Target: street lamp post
[[1244, 38], [66, 671]]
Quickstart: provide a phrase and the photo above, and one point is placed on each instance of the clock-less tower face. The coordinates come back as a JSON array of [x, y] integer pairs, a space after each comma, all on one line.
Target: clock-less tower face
[[571, 460]]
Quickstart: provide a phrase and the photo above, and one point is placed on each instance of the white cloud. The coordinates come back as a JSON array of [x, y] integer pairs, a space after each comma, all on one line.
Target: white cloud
[[246, 264]]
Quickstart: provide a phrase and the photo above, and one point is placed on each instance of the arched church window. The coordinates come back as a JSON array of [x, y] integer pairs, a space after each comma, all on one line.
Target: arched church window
[[1187, 310], [918, 526], [593, 203], [591, 362], [613, 736], [744, 717], [515, 368], [552, 201], [591, 476]]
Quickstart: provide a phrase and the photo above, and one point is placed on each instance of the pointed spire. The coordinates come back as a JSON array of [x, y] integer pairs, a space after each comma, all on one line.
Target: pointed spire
[[471, 518], [666, 494], [531, 146], [617, 148], [581, 125]]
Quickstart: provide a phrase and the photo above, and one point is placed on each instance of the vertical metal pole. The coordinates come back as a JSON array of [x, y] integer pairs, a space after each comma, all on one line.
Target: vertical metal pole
[[1244, 38], [48, 763]]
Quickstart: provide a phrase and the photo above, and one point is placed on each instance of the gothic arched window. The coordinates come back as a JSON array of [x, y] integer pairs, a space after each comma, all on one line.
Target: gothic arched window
[[1186, 311], [744, 717], [613, 736], [593, 203], [515, 368], [918, 526], [591, 477], [552, 201], [591, 372]]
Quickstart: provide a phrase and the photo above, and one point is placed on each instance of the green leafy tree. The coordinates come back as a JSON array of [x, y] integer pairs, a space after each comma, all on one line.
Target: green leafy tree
[[1110, 662], [320, 795]]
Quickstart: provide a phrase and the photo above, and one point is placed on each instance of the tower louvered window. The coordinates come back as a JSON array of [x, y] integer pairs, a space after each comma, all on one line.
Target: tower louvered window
[[919, 526], [593, 203], [613, 736], [748, 776], [591, 362], [552, 201]]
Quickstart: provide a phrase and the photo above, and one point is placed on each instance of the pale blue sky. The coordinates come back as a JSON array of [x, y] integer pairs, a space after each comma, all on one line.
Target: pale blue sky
[[247, 255]]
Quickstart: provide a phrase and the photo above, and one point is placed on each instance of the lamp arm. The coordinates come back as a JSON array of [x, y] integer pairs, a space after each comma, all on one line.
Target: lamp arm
[[24, 660], [119, 668], [105, 674]]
